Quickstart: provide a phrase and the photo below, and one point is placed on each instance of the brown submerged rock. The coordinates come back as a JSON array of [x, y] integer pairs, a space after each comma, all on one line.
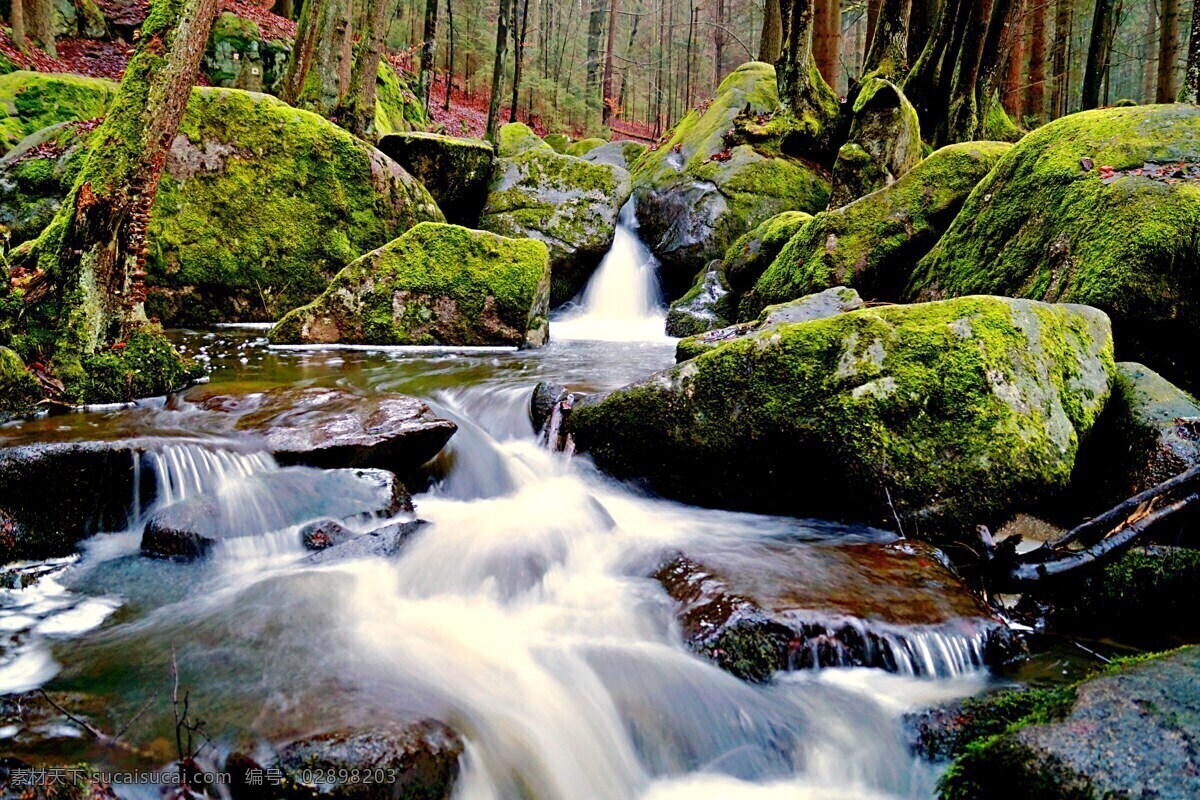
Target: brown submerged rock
[[336, 428], [769, 606]]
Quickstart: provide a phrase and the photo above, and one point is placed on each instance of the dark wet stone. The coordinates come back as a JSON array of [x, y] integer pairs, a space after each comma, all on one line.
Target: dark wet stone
[[417, 761], [455, 171], [769, 606], [325, 533], [541, 406], [336, 428], [246, 778], [705, 306], [1129, 733], [269, 502], [381, 543]]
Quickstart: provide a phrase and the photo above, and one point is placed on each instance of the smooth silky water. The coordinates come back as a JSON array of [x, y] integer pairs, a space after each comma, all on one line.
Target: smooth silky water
[[521, 615]]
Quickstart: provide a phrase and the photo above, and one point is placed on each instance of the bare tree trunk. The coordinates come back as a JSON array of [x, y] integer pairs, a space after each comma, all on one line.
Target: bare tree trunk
[[1150, 58], [658, 81], [285, 9], [1064, 18], [357, 110], [493, 117], [43, 26], [1168, 53], [771, 41], [1014, 66], [450, 54], [1191, 78], [887, 54], [16, 19], [921, 26], [592, 64], [521, 25], [1035, 89], [873, 7], [795, 63], [988, 35], [607, 101], [1099, 47], [687, 104], [719, 36], [428, 52], [96, 246], [318, 74], [827, 39]]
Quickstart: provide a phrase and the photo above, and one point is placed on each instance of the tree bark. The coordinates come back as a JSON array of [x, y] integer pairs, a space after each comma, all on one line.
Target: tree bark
[[719, 36], [1168, 53], [795, 62], [1150, 53], [1014, 65], [1064, 19], [921, 25], [285, 9], [357, 110], [493, 117], [1191, 78], [887, 55], [95, 249], [16, 19], [520, 28], [771, 41], [1099, 48], [428, 52], [1035, 89], [592, 64], [450, 54], [607, 100], [827, 40], [43, 26], [873, 7], [318, 73], [987, 37]]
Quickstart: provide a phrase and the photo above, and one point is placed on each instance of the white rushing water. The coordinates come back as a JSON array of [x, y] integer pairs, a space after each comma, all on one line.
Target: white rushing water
[[622, 302]]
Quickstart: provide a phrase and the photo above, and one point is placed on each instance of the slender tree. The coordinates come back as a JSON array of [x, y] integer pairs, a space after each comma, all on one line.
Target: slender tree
[[920, 26], [595, 32], [429, 51], [872, 10], [608, 100], [719, 35], [16, 19], [887, 55], [43, 26], [771, 40], [1064, 20], [449, 53], [493, 116], [1014, 65], [285, 9], [1099, 52], [94, 251], [1150, 50], [1035, 88], [356, 112], [795, 61], [1168, 53], [827, 38], [319, 69], [1191, 77]]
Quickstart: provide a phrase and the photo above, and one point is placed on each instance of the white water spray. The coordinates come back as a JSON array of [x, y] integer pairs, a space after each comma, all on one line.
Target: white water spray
[[622, 301]]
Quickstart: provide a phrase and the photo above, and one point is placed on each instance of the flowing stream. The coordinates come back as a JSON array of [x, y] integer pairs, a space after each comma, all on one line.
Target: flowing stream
[[521, 616]]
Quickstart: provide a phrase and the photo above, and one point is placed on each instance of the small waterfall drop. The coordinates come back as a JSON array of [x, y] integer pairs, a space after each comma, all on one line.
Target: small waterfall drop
[[186, 470], [622, 302]]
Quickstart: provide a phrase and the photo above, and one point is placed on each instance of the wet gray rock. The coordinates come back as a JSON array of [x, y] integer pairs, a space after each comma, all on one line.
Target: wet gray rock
[[336, 428], [828, 303], [271, 501], [761, 607], [541, 405], [1130, 733], [383, 542], [421, 757], [623, 154], [325, 533], [705, 306], [455, 171]]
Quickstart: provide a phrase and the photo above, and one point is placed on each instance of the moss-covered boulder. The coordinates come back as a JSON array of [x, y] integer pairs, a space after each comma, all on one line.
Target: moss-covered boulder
[[874, 243], [83, 19], [828, 303], [435, 285], [623, 154], [455, 171], [36, 100], [1129, 732], [705, 306], [941, 415], [748, 257], [1101, 208], [584, 146], [569, 204], [884, 143], [517, 137], [559, 142], [719, 174], [260, 205], [239, 57], [19, 390], [397, 108]]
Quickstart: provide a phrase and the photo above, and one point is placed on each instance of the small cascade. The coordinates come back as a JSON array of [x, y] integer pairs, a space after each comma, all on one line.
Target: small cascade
[[622, 301], [185, 470]]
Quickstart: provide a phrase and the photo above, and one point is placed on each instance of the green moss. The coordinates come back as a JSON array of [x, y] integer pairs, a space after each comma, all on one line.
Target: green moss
[[37, 100], [36, 177], [144, 365], [397, 108], [436, 284], [517, 137], [238, 57], [1046, 224], [999, 127], [875, 242], [954, 414], [559, 142], [750, 255], [584, 146], [19, 390]]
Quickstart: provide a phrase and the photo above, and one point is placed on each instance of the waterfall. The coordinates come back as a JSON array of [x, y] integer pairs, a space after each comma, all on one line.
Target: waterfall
[[622, 301], [186, 470]]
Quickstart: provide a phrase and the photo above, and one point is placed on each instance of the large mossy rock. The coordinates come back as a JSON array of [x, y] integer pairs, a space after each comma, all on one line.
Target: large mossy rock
[[260, 205], [874, 243], [943, 415], [455, 171], [1101, 208], [700, 190], [624, 154], [570, 204], [437, 284], [397, 108], [239, 57], [884, 143], [707, 305], [1130, 732], [36, 100], [748, 257]]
